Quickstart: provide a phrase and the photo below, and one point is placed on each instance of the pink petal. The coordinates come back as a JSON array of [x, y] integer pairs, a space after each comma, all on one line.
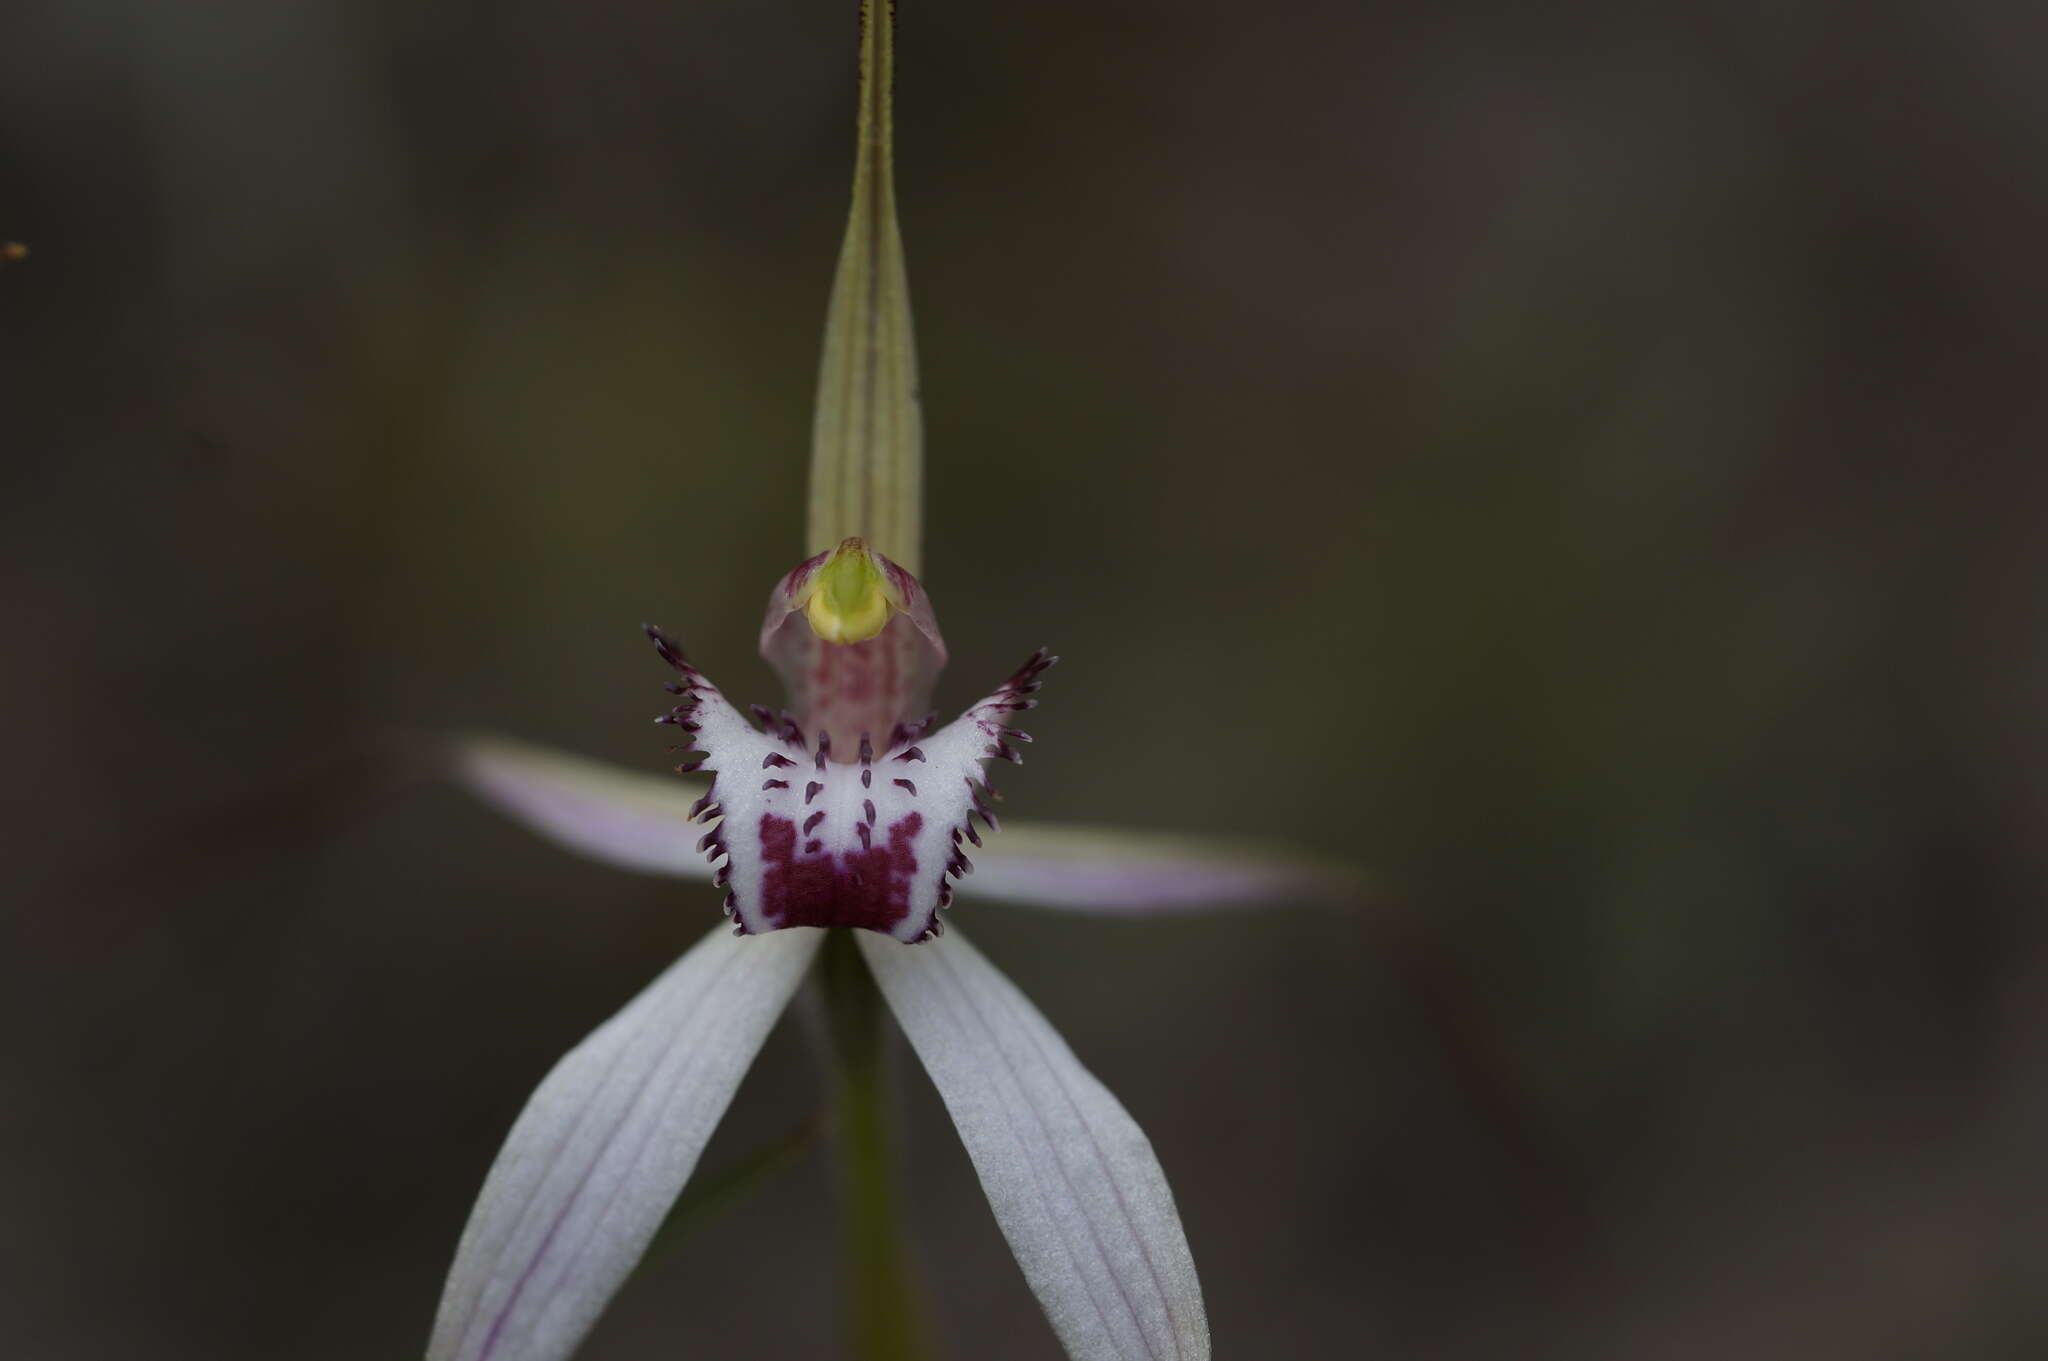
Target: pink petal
[[619, 817]]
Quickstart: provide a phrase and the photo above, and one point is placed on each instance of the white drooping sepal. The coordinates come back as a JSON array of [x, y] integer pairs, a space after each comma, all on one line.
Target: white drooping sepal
[[872, 842], [593, 1164], [1073, 1181]]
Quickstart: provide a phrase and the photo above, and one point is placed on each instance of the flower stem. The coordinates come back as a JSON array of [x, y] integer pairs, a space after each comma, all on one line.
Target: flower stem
[[881, 1309], [707, 1196]]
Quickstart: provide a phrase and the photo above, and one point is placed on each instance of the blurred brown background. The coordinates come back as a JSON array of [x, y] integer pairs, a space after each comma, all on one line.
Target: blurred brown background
[[1583, 462]]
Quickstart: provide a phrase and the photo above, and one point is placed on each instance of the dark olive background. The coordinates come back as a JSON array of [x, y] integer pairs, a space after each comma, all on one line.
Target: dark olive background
[[1583, 462]]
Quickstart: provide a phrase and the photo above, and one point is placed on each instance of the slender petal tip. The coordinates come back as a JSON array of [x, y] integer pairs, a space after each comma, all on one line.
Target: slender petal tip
[[619, 817]]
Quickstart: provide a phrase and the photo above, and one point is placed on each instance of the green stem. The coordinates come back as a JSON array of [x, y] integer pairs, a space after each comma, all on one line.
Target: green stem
[[707, 1196], [883, 1319]]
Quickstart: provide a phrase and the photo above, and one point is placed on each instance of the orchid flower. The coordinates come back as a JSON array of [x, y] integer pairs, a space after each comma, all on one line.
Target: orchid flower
[[845, 817]]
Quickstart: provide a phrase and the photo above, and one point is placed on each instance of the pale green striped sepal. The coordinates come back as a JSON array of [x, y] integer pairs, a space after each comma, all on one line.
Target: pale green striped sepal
[[867, 445]]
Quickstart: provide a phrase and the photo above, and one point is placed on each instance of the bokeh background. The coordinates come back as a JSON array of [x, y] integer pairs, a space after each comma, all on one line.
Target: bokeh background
[[1582, 462]]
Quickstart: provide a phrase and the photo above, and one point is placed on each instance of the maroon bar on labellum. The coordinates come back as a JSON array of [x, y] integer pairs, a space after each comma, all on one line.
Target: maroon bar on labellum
[[867, 888]]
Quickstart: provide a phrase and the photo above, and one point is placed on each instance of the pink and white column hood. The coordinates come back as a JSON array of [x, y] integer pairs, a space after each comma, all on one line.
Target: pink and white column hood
[[850, 810]]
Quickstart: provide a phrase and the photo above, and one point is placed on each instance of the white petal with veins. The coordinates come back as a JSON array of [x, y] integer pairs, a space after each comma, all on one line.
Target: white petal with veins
[[1073, 1181], [604, 1145]]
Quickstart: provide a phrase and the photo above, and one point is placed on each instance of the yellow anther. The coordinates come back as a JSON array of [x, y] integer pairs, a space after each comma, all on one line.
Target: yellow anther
[[850, 600]]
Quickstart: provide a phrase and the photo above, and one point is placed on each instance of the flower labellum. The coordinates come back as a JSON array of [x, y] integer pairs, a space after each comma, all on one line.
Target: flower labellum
[[864, 831]]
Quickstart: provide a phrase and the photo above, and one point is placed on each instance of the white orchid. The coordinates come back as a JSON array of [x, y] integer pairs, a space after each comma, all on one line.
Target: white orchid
[[848, 811]]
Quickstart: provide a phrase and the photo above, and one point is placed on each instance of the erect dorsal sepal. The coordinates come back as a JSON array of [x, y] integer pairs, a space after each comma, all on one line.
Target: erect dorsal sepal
[[868, 842]]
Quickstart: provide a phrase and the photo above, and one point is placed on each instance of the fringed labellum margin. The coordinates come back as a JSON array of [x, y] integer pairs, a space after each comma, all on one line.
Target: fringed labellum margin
[[858, 833]]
